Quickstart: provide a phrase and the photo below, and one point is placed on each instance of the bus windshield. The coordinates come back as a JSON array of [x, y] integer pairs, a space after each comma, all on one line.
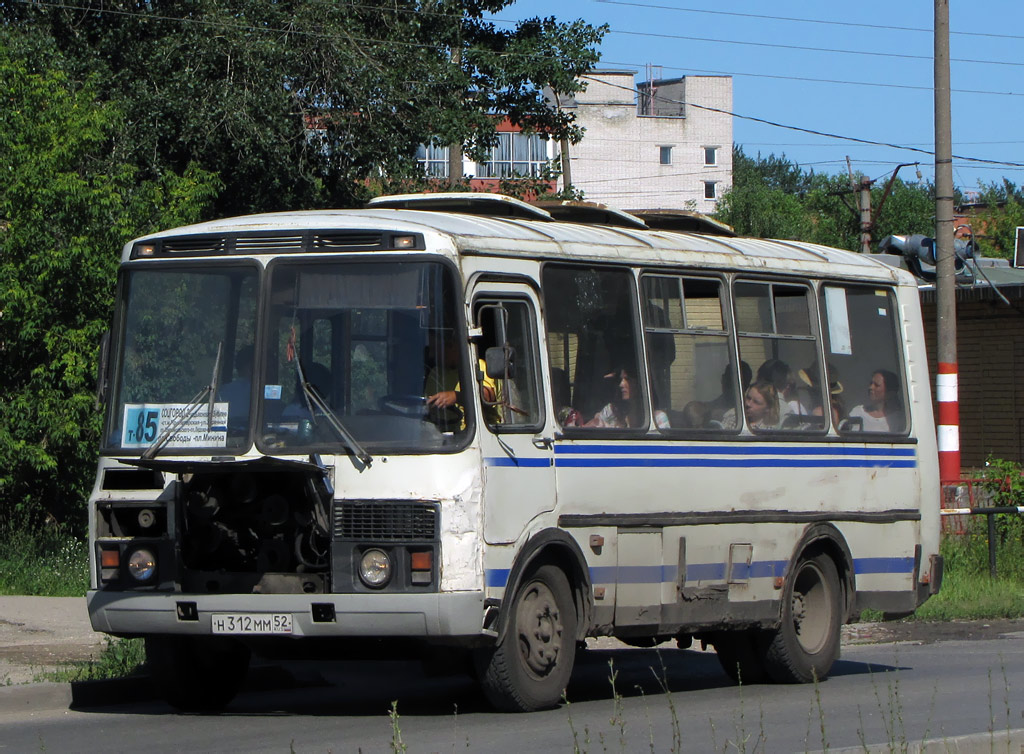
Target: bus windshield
[[354, 357], [375, 345], [187, 333]]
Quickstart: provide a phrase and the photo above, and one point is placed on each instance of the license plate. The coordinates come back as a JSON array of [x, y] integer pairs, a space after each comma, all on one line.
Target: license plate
[[251, 623]]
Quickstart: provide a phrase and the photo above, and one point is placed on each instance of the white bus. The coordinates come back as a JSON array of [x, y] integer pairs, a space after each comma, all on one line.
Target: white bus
[[471, 426]]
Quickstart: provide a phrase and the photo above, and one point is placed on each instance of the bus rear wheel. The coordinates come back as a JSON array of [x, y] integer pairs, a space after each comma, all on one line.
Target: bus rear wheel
[[197, 673], [531, 665], [807, 642]]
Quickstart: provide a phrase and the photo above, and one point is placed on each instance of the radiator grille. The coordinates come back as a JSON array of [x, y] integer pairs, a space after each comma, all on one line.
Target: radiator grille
[[385, 522]]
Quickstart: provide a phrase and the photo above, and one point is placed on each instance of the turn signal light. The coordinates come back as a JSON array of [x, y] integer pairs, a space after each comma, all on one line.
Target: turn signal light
[[110, 558], [421, 561]]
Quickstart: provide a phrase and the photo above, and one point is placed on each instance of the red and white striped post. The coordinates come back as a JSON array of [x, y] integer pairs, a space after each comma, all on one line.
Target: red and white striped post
[[947, 395]]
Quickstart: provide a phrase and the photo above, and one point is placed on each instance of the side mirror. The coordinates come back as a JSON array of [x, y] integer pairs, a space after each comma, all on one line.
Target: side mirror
[[102, 370], [499, 362]]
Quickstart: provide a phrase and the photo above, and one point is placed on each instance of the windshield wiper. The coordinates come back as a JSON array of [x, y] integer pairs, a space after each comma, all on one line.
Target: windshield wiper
[[190, 410], [316, 401]]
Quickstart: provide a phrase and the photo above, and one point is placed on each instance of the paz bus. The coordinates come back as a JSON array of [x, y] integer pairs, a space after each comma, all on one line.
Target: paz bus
[[470, 427]]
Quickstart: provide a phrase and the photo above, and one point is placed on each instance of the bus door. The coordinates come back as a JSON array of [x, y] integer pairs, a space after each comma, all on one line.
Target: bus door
[[518, 457]]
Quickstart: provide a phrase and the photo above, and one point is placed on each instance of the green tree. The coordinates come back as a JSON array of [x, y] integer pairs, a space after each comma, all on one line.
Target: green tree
[[65, 212], [995, 226], [299, 103], [764, 200], [772, 197]]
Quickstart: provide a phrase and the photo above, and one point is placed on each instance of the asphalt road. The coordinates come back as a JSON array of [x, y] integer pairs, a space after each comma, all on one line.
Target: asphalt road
[[891, 693]]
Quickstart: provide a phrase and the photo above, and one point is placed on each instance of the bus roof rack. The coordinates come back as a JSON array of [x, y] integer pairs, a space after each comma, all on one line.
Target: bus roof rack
[[470, 203], [683, 220], [589, 213]]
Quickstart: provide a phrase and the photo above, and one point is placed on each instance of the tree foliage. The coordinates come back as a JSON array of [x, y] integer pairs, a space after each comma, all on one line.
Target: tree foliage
[[1002, 212], [298, 103], [772, 197]]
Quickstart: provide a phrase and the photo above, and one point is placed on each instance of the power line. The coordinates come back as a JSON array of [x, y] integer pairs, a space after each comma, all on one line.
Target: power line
[[811, 131], [812, 79], [852, 24], [803, 48]]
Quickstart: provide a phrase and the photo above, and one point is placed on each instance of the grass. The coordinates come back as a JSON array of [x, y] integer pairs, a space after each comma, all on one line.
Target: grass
[[42, 560], [120, 658]]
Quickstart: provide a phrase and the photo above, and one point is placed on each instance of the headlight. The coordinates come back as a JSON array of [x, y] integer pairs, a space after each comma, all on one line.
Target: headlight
[[142, 564], [375, 568]]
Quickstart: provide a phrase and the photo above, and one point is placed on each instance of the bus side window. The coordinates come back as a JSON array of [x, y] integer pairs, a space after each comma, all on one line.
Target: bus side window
[[510, 395], [866, 377], [591, 321], [693, 380], [777, 340]]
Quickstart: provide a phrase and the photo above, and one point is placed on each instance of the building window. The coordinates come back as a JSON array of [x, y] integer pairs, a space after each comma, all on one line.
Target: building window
[[710, 155], [515, 154], [710, 190], [433, 159], [665, 155]]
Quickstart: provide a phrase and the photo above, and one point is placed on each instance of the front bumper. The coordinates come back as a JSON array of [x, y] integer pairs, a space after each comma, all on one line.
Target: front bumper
[[446, 614]]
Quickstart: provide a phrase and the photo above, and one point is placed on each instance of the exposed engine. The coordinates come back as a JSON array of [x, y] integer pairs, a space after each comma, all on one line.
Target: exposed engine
[[265, 531]]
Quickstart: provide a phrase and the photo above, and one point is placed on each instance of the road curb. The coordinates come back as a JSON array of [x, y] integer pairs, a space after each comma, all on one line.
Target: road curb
[[1001, 740], [85, 694]]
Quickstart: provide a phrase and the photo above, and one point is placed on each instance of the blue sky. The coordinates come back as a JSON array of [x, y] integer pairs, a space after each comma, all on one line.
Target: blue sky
[[869, 75]]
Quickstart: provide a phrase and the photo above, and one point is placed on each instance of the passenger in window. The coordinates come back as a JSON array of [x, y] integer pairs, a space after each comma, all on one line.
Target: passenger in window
[[760, 405], [778, 374], [809, 386], [883, 411], [725, 402], [696, 415], [626, 410]]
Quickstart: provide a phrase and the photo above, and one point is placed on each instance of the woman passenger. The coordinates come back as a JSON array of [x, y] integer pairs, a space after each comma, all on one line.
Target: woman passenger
[[626, 409], [883, 411]]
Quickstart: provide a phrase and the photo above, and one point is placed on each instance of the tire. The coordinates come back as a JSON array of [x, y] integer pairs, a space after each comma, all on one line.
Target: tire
[[807, 642], [197, 674], [530, 666], [741, 655]]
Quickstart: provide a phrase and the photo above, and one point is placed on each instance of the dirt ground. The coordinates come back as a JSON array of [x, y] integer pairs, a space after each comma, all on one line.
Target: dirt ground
[[928, 633]]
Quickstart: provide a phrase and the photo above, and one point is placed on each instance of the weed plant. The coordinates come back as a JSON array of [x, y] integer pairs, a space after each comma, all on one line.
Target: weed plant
[[120, 658], [42, 559]]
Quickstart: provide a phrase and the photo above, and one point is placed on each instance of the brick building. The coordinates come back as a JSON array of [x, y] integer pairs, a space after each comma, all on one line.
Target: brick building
[[990, 355]]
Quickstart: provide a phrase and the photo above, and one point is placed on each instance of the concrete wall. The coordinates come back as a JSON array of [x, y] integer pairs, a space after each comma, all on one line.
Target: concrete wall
[[618, 161]]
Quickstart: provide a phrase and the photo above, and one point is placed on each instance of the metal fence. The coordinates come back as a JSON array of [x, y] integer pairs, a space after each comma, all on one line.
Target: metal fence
[[973, 497]]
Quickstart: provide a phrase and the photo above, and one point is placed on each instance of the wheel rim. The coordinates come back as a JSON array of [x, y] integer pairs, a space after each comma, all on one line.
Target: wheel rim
[[539, 629], [812, 616]]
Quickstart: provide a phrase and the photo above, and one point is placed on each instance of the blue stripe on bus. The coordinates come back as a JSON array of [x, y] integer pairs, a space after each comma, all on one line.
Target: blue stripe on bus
[[751, 463], [530, 463], [662, 574], [883, 565], [737, 449]]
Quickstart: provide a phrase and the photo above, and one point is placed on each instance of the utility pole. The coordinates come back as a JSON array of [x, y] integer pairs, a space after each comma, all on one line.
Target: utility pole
[[867, 222], [946, 381], [866, 225]]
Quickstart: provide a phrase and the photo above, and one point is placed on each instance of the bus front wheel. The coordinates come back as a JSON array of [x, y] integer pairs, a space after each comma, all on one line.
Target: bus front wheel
[[530, 666], [197, 673], [807, 642]]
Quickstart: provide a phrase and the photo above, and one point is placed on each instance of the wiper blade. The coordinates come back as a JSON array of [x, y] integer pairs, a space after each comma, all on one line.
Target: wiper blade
[[191, 409], [315, 400]]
